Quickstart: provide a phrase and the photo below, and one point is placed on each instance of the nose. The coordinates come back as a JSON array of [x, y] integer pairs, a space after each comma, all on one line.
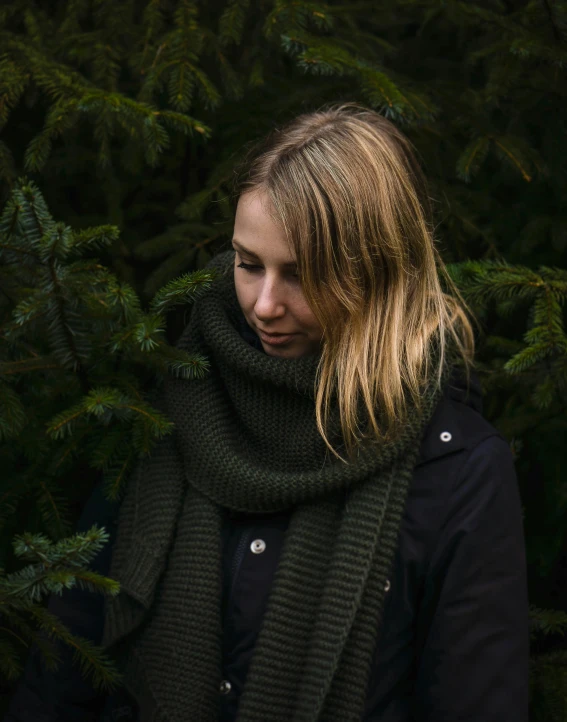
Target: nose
[[270, 302]]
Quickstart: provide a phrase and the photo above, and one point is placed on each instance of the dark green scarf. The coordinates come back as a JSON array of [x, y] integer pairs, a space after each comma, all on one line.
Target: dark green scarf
[[246, 440]]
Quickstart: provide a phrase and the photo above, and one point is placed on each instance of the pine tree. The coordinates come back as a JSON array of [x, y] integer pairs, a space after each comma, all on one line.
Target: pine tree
[[76, 350], [130, 117], [534, 374]]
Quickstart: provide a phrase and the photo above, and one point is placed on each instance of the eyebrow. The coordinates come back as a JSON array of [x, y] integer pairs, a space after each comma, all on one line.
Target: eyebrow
[[240, 247]]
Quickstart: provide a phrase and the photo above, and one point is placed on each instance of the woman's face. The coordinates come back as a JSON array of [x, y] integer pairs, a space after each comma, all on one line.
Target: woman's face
[[268, 289]]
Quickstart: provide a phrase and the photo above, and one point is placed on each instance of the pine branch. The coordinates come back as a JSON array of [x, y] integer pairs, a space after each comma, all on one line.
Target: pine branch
[[55, 567], [90, 658], [547, 622], [545, 340], [182, 290]]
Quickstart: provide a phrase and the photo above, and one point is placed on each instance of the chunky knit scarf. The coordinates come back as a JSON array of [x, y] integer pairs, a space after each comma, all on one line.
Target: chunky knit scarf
[[246, 440]]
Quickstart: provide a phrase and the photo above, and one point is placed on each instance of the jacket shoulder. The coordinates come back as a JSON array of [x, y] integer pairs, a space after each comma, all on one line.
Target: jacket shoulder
[[457, 424]]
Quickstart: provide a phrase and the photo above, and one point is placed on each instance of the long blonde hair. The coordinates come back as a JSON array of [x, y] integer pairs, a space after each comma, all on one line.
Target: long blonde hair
[[347, 188]]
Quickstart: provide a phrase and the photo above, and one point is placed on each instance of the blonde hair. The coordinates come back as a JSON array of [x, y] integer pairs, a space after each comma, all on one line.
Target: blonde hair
[[352, 199]]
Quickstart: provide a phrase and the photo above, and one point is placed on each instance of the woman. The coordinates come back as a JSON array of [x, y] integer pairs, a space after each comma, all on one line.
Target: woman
[[334, 531]]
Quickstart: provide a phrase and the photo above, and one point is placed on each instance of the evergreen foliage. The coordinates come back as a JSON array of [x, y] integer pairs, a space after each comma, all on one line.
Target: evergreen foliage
[[54, 567], [75, 351], [129, 118]]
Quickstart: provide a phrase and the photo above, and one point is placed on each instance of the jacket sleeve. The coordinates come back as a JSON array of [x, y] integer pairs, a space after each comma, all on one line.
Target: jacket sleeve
[[64, 695], [473, 624]]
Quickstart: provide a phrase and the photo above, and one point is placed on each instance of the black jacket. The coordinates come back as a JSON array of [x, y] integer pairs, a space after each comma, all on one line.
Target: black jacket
[[454, 642]]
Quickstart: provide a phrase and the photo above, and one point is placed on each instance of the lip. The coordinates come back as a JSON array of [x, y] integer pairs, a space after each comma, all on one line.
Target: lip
[[277, 340]]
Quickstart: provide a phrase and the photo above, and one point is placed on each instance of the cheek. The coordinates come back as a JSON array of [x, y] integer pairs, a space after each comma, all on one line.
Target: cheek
[[246, 295], [307, 316], [241, 290], [311, 321]]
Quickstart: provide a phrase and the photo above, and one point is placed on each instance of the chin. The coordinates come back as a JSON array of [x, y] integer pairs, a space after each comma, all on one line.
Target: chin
[[283, 352]]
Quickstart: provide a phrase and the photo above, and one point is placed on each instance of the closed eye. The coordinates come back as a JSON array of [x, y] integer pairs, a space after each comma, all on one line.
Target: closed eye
[[247, 266], [250, 268]]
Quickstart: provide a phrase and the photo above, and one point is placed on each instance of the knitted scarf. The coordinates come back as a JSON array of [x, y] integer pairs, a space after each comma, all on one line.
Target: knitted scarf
[[245, 439]]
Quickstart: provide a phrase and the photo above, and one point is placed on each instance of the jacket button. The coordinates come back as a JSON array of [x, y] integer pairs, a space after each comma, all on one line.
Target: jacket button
[[258, 546], [445, 436], [387, 587], [225, 686]]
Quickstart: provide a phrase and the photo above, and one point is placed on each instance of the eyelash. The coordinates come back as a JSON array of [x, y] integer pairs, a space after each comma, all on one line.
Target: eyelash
[[251, 269]]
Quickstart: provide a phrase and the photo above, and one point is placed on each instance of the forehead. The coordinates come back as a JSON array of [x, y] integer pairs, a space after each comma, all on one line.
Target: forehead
[[255, 213], [257, 231]]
